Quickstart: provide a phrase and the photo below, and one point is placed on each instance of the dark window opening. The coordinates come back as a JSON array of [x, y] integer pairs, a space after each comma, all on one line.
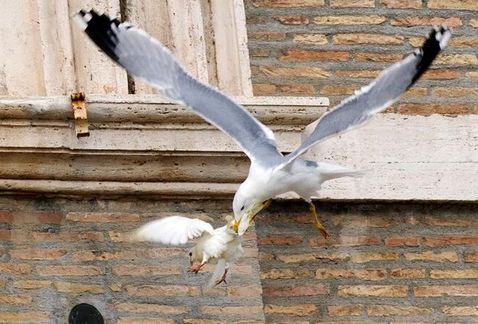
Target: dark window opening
[[85, 314]]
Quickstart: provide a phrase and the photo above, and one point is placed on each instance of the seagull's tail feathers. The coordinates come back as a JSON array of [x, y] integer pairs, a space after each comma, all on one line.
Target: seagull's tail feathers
[[218, 273]]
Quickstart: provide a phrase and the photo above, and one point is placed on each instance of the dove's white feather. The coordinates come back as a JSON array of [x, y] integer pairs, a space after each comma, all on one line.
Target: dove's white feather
[[173, 230]]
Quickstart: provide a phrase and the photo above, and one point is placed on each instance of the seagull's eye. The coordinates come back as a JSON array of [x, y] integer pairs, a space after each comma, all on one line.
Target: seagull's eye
[[190, 254], [242, 208]]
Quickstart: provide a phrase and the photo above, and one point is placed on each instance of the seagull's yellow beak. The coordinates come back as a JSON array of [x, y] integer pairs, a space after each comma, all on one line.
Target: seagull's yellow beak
[[235, 225], [247, 218]]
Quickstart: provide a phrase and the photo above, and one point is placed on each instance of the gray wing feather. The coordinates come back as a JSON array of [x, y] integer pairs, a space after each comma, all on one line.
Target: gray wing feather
[[147, 59], [376, 97]]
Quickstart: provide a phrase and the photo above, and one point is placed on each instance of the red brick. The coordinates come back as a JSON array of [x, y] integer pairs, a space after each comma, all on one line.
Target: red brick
[[389, 310], [149, 253], [266, 36], [429, 109], [37, 254], [144, 320], [316, 39], [438, 241], [441, 74], [259, 52], [102, 217], [349, 20], [457, 59], [454, 274], [455, 92], [293, 20], [453, 4], [202, 321], [145, 270], [471, 257], [244, 291], [308, 72], [364, 257], [401, 4], [464, 41], [474, 23], [162, 290], [16, 268], [407, 273], [15, 299], [231, 310], [444, 256], [280, 240], [6, 217], [361, 221], [283, 90], [460, 310], [67, 236], [352, 3], [31, 284], [150, 308], [338, 90], [78, 288], [311, 55], [448, 290], [411, 21], [24, 317], [69, 271], [373, 290], [287, 3], [401, 241], [361, 38], [345, 241], [448, 222], [363, 274], [275, 274], [295, 310], [357, 73], [344, 310], [296, 290], [377, 57]]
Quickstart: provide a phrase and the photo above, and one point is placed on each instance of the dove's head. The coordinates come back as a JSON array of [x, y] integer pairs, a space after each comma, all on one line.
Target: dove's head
[[245, 209]]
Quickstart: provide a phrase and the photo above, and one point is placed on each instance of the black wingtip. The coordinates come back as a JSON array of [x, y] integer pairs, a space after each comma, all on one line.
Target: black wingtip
[[100, 29], [435, 42]]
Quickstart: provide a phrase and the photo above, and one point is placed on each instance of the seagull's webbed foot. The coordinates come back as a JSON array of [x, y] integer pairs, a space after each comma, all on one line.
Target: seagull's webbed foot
[[196, 267], [222, 279], [319, 226]]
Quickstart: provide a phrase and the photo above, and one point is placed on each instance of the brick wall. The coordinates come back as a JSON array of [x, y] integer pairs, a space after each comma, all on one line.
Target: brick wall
[[387, 262], [384, 262], [333, 47], [56, 253]]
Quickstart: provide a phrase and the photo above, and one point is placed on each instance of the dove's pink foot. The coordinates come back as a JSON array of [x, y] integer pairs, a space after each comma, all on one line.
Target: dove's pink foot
[[223, 278], [196, 267]]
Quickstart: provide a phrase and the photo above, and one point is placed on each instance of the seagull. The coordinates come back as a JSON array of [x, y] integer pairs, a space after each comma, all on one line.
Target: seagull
[[222, 245], [271, 173]]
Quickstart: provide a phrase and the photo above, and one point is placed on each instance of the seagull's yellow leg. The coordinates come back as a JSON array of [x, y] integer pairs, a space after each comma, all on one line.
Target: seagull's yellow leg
[[319, 226]]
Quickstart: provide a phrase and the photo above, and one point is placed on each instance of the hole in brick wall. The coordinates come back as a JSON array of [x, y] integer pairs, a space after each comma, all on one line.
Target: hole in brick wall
[[85, 314]]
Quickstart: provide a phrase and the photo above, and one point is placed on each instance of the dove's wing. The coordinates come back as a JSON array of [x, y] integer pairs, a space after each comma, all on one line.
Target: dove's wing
[[173, 230]]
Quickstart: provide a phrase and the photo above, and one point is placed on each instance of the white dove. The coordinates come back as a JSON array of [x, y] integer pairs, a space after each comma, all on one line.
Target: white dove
[[221, 245]]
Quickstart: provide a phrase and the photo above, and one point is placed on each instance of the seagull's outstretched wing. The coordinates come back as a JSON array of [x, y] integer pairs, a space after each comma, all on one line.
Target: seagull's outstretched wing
[[173, 230], [377, 96], [146, 58]]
